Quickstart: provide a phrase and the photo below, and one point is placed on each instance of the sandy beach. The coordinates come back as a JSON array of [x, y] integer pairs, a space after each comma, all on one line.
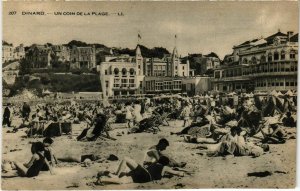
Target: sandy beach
[[209, 172]]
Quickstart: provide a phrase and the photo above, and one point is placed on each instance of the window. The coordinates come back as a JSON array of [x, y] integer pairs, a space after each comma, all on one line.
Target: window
[[177, 85], [253, 59], [116, 71], [276, 56], [287, 67], [124, 83], [271, 67], [263, 59], [106, 84], [183, 73], [281, 83], [292, 83], [287, 83], [175, 67], [275, 67], [131, 71], [131, 83], [292, 54], [217, 74], [167, 85], [245, 61], [124, 72], [116, 82], [158, 85], [105, 72], [270, 57], [282, 55], [292, 68]]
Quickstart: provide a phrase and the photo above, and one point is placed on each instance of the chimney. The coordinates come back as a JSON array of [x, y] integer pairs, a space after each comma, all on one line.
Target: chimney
[[289, 35]]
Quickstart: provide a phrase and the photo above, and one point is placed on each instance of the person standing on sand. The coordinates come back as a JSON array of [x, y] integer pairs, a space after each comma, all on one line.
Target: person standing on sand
[[137, 112], [129, 116], [26, 110], [186, 114], [6, 117]]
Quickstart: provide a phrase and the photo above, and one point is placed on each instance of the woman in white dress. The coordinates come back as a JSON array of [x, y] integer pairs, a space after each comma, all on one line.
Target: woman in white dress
[[129, 111], [137, 112]]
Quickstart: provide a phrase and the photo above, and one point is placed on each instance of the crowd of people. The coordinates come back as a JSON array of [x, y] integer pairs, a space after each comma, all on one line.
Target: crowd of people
[[220, 126]]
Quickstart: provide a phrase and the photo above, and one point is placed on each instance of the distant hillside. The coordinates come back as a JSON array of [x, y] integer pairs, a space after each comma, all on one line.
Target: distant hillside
[[83, 44], [57, 83]]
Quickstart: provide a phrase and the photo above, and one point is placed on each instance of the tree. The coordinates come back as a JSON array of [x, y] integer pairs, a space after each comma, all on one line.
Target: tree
[[25, 66]]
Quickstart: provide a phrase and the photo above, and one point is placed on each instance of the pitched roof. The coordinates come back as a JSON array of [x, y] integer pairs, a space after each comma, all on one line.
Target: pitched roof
[[294, 38], [248, 42], [274, 35]]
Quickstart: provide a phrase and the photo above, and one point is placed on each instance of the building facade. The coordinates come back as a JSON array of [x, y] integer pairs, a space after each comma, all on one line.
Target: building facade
[[62, 53], [83, 57], [263, 64], [40, 56], [19, 52], [169, 65], [7, 52], [122, 76]]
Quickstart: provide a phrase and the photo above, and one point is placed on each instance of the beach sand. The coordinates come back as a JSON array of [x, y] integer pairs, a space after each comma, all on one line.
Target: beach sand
[[209, 172]]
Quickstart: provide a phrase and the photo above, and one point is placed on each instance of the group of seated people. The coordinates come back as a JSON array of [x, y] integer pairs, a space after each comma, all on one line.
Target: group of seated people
[[155, 166]]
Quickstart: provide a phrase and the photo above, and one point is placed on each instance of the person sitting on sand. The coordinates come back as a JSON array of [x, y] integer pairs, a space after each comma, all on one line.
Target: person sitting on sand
[[36, 163], [49, 154], [154, 153], [289, 121], [137, 173], [98, 126]]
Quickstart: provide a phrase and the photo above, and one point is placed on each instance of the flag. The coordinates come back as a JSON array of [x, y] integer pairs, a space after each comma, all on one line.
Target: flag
[[175, 35], [139, 36]]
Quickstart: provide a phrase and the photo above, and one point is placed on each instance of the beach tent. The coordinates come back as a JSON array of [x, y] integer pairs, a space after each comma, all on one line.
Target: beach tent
[[274, 93], [289, 93]]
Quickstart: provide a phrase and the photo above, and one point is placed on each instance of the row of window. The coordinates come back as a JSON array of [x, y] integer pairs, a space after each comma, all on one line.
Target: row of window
[[281, 83], [263, 68], [271, 57], [124, 83], [166, 85]]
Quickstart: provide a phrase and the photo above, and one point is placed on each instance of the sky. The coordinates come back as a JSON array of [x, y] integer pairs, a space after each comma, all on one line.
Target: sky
[[201, 27]]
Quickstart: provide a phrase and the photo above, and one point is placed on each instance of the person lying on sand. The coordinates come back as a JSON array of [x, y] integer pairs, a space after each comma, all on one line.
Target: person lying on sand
[[137, 173], [277, 135], [73, 157], [36, 163], [154, 153], [234, 144]]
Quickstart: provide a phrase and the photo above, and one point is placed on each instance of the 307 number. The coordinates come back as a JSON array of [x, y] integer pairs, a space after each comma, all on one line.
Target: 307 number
[[12, 12]]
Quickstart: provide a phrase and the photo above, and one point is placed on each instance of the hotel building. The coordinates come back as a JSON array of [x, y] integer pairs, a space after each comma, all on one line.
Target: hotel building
[[262, 64]]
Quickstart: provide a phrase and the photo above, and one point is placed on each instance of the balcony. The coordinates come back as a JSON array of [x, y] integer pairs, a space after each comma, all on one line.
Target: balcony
[[255, 75]]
